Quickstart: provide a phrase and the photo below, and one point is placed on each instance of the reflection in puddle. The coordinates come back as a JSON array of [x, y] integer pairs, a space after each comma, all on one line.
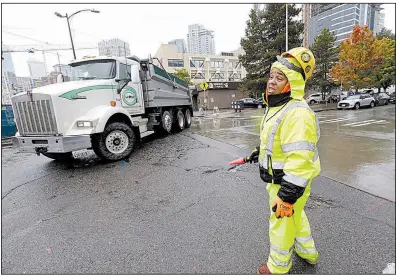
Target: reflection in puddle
[[360, 161]]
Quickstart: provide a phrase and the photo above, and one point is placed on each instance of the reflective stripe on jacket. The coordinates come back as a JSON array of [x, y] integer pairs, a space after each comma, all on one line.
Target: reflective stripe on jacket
[[288, 150]]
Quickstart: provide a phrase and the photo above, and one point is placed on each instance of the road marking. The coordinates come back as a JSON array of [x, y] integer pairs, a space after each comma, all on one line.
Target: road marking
[[376, 122], [390, 269], [334, 120], [360, 122]]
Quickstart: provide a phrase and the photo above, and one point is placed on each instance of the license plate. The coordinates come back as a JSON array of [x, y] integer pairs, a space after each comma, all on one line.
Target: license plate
[[79, 154], [36, 141]]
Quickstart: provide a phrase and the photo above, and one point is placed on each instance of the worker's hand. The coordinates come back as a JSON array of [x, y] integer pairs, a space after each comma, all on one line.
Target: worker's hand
[[253, 157], [282, 208]]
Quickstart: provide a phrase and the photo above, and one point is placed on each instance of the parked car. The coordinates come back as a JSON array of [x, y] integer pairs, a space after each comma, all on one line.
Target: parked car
[[392, 98], [336, 96], [316, 98], [357, 101], [249, 102], [367, 91], [259, 101], [380, 98]]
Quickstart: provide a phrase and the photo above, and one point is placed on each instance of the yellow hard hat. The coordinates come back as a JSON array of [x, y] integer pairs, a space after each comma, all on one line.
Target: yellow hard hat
[[303, 61]]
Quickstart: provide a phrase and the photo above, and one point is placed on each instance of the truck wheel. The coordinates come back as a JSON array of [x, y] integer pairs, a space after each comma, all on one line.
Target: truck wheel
[[166, 121], [188, 118], [60, 157], [115, 143], [179, 124]]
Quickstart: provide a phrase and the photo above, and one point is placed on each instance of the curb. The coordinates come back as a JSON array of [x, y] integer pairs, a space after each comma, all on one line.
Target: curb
[[322, 110]]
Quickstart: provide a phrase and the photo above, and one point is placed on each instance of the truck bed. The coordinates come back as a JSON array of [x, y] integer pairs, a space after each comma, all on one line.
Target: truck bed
[[159, 90]]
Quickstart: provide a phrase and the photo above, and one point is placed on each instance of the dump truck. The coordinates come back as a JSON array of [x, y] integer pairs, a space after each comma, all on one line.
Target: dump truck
[[108, 106]]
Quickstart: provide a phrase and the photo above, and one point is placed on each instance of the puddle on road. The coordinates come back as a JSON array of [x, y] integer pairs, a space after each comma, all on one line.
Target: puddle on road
[[362, 158]]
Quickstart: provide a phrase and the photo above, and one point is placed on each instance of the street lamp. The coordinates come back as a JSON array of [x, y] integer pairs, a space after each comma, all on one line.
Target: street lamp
[[67, 19]]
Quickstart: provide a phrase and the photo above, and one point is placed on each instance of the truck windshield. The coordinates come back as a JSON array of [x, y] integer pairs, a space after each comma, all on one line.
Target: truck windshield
[[96, 69]]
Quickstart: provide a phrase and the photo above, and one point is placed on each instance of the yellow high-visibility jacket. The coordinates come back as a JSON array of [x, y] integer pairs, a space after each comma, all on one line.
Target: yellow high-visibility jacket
[[289, 134]]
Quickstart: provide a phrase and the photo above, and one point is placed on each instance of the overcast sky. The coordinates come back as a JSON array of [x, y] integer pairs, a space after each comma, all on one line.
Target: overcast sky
[[143, 26]]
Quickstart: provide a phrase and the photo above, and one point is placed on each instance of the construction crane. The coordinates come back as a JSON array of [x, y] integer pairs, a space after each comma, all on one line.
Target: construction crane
[[43, 48]]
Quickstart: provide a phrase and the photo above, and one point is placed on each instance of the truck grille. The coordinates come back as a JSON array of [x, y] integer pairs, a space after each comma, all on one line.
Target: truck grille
[[35, 117]]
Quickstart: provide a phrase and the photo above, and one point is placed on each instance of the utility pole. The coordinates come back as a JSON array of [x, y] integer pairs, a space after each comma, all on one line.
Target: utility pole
[[286, 27]]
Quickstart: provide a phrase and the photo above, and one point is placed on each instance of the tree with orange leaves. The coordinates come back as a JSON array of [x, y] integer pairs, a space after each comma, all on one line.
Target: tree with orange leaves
[[358, 59]]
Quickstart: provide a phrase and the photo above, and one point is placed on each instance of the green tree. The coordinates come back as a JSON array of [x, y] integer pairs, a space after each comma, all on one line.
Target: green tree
[[325, 53], [264, 39], [386, 33], [183, 74], [385, 71]]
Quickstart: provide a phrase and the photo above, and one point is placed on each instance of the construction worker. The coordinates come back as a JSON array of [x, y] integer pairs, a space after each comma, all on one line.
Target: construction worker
[[288, 159]]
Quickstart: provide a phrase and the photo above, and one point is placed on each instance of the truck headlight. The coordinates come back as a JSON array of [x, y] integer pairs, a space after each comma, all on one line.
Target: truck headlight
[[84, 124]]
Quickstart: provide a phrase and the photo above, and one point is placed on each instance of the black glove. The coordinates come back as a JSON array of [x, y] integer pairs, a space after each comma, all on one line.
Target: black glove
[[253, 157]]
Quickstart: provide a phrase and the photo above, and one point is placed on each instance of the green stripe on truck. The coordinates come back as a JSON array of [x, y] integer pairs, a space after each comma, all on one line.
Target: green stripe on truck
[[72, 93]]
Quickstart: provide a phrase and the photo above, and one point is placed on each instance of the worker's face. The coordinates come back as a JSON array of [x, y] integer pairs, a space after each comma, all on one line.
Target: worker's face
[[276, 82]]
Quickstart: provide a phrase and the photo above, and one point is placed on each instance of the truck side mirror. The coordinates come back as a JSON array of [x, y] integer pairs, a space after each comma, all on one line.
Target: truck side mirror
[[125, 81]]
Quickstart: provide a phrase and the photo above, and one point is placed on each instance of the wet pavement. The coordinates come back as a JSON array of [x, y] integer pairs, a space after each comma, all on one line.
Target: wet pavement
[[176, 207], [356, 148]]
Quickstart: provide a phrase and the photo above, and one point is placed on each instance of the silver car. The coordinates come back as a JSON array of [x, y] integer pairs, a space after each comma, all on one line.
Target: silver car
[[357, 101]]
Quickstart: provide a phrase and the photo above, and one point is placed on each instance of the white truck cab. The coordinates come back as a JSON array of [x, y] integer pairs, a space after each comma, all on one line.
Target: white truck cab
[[109, 104]]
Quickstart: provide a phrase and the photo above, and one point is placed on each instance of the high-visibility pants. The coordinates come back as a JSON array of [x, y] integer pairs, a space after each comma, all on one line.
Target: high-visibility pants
[[288, 234]]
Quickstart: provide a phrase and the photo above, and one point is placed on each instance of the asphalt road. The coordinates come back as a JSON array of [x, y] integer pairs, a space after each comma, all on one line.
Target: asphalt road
[[357, 148], [175, 208]]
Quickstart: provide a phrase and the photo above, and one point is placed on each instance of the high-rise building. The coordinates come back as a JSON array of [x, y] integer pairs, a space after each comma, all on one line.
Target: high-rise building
[[7, 64], [114, 47], [37, 68], [340, 19], [200, 40], [180, 45], [9, 86], [379, 21]]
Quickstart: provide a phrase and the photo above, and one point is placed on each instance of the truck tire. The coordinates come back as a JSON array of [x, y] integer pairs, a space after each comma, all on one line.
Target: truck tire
[[115, 143], [60, 157], [188, 118], [166, 121], [179, 123]]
